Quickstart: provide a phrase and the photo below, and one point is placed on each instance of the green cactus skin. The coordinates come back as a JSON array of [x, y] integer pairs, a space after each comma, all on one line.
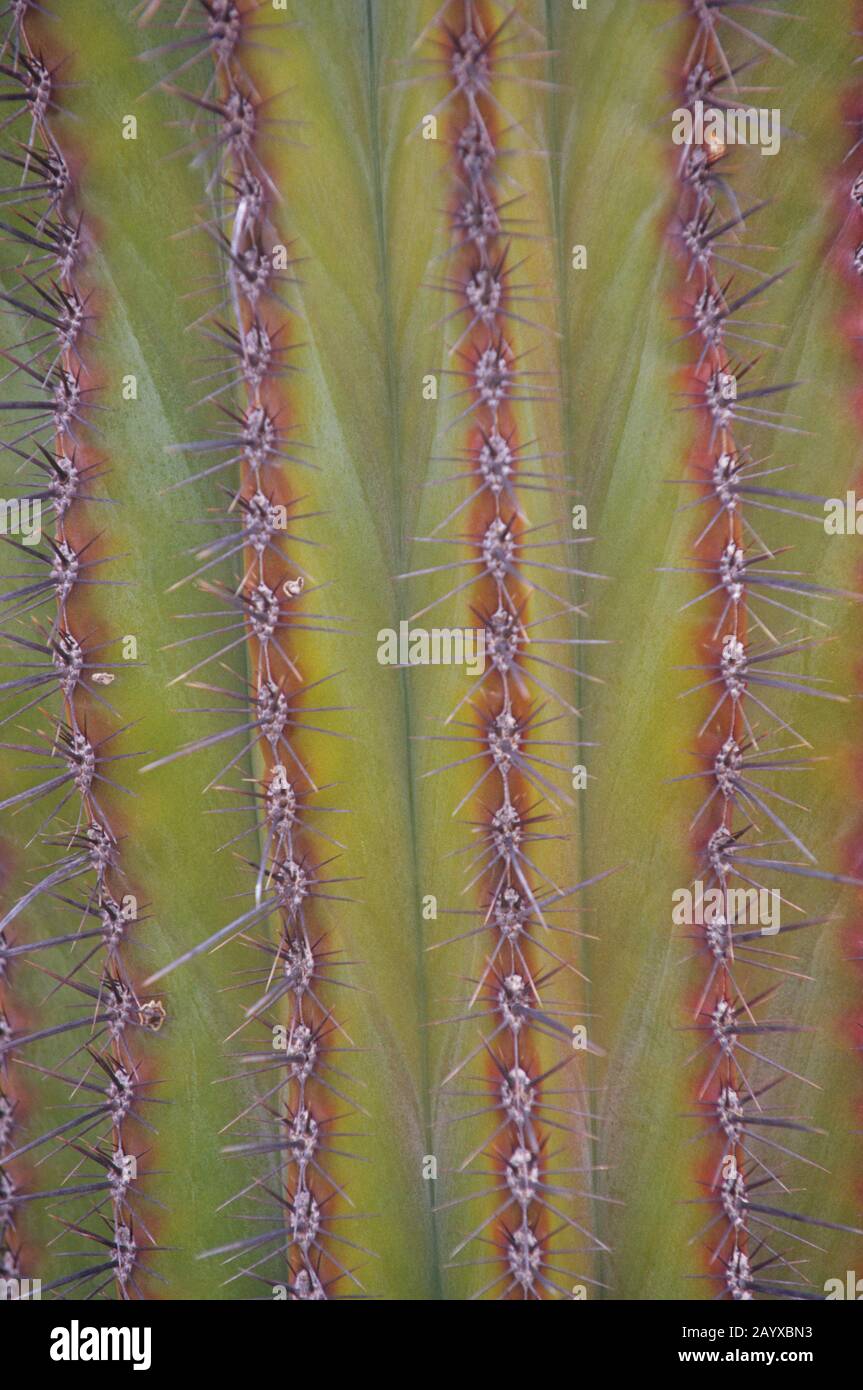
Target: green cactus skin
[[432, 244]]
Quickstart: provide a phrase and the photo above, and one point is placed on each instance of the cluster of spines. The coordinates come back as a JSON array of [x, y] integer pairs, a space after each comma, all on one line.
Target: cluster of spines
[[506, 724], [741, 824], [261, 608], [60, 669]]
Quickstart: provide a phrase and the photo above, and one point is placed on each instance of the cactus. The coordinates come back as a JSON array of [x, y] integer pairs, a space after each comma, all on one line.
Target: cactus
[[429, 608]]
